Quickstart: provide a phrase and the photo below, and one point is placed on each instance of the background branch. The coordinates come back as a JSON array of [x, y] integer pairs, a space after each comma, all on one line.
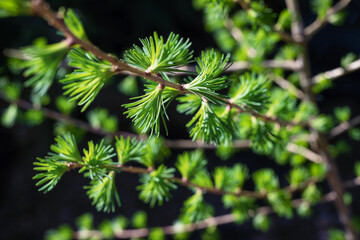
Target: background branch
[[337, 72], [343, 127], [318, 24], [212, 221]]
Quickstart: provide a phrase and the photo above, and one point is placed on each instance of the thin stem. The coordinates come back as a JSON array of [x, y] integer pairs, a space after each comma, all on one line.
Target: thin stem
[[319, 144], [343, 127], [212, 221], [308, 154], [337, 72], [240, 66], [287, 85], [65, 118], [319, 23], [43, 9], [174, 144]]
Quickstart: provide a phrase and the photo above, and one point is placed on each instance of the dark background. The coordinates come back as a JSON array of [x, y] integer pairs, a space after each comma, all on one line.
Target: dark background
[[114, 26]]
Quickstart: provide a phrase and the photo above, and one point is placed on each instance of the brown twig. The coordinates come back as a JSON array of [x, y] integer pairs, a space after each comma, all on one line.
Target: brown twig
[[65, 118], [212, 221], [308, 154], [318, 24], [287, 85], [343, 127], [246, 65], [43, 9], [320, 145], [174, 144], [337, 72]]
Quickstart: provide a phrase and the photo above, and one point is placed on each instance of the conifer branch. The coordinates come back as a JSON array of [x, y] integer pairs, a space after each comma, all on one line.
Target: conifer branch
[[240, 66], [212, 221], [57, 116], [319, 23], [343, 127], [174, 144], [337, 72], [283, 35], [43, 9], [321, 145], [212, 190]]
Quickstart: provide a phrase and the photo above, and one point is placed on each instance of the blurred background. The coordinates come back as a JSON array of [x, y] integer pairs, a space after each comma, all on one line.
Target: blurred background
[[114, 25]]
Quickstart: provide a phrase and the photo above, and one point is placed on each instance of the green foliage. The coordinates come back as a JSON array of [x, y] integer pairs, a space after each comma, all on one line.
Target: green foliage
[[225, 150], [338, 18], [281, 203], [155, 152], [106, 230], [156, 186], [284, 20], [87, 80], [322, 85], [357, 169], [53, 166], [241, 206], [340, 147], [312, 194], [95, 157], [85, 221], [10, 8], [261, 222], [208, 127], [260, 15], [64, 105], [202, 179], [342, 114], [10, 90], [52, 172], [190, 163], [348, 198], [347, 59], [41, 63], [150, 109], [354, 133], [281, 104], [251, 92], [100, 118], [259, 132], [298, 176], [65, 149], [156, 234], [64, 232], [74, 24], [304, 209], [265, 180], [139, 219], [103, 193], [322, 123], [129, 86], [305, 111], [211, 233], [318, 171], [34, 117], [211, 65], [336, 234], [196, 209], [8, 118], [129, 149], [157, 56], [320, 7], [230, 179]]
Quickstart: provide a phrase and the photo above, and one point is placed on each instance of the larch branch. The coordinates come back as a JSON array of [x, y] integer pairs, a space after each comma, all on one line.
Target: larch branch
[[337, 72], [318, 24]]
